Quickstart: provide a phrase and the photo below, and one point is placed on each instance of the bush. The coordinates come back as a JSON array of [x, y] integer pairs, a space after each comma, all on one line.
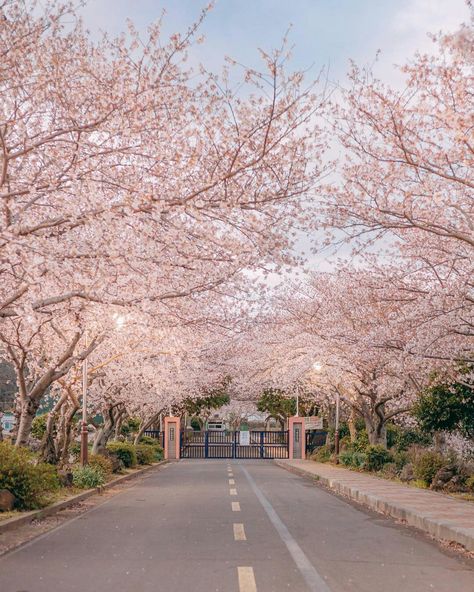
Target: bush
[[426, 464], [377, 457], [359, 459], [362, 441], [321, 454], [149, 441], [400, 459], [101, 462], [75, 449], [345, 458], [125, 452], [38, 426], [146, 454], [26, 480], [402, 438], [390, 470], [470, 484], [87, 477]]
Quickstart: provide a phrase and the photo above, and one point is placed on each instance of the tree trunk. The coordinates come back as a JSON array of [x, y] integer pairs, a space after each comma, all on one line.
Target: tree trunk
[[48, 448], [28, 410], [352, 424], [145, 424], [112, 416]]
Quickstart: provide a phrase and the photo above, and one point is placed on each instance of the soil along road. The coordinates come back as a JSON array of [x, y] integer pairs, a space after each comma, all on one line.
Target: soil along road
[[231, 526]]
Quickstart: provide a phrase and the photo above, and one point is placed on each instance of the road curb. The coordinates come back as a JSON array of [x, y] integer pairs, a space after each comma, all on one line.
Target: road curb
[[28, 517], [441, 529]]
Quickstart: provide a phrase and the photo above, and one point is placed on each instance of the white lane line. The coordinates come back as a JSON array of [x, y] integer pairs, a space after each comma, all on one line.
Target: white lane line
[[233, 492], [231, 474], [235, 507], [246, 580], [231, 481], [239, 532], [312, 578]]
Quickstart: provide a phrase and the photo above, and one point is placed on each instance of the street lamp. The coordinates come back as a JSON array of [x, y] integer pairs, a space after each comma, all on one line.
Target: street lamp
[[84, 432]]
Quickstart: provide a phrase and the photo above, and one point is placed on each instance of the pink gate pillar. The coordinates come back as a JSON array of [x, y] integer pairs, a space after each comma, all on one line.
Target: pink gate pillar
[[172, 425], [297, 438]]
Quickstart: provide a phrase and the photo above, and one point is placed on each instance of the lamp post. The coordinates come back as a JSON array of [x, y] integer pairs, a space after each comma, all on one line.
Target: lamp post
[[336, 427], [84, 432]]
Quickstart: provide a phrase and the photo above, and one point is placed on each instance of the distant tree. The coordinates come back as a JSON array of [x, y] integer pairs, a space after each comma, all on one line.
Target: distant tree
[[277, 404], [447, 407]]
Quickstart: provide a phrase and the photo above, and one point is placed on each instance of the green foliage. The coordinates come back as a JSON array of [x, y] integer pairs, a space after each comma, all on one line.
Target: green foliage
[[321, 454], [196, 424], [400, 458], [212, 398], [101, 462], [362, 441], [87, 477], [470, 484], [38, 426], [353, 458], [29, 482], [276, 403], [447, 407], [376, 457], [426, 464], [146, 454], [125, 452], [131, 426], [75, 449], [149, 441]]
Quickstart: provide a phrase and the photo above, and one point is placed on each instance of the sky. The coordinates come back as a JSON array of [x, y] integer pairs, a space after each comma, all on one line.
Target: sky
[[324, 34]]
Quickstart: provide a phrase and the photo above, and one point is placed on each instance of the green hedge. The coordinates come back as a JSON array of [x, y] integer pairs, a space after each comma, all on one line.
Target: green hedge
[[30, 482], [125, 451]]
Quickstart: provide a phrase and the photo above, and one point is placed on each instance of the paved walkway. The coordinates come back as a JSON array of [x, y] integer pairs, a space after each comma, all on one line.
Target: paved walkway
[[441, 516]]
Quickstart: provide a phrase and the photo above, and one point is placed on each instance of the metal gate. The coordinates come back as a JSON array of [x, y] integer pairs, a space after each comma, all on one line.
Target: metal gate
[[216, 444]]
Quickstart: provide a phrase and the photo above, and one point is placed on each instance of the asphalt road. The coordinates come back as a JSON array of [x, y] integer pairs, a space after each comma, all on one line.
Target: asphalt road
[[231, 526]]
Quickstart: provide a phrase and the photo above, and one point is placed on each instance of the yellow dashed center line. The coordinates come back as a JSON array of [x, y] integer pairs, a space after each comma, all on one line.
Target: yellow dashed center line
[[235, 507], [239, 532], [246, 579]]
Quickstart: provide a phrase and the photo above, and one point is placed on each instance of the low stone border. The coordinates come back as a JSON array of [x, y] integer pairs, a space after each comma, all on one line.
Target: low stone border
[[439, 528], [27, 517]]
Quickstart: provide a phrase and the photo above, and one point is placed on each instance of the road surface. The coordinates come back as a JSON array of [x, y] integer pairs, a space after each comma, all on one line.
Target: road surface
[[231, 526]]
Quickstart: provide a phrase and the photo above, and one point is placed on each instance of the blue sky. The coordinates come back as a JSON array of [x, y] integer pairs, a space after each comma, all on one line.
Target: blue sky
[[324, 32]]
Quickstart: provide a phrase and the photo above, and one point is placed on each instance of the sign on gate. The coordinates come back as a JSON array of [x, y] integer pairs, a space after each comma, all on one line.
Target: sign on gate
[[313, 423], [244, 439]]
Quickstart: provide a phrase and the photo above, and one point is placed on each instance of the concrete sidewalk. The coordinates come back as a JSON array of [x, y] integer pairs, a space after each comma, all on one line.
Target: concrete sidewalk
[[441, 516]]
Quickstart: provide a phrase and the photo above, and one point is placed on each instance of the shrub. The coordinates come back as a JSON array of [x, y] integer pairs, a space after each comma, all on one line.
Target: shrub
[[101, 462], [26, 480], [362, 441], [377, 457], [470, 484], [38, 426], [359, 459], [400, 459], [87, 477], [146, 454], [321, 454], [390, 470], [345, 457], [75, 449], [427, 464], [149, 441], [125, 452]]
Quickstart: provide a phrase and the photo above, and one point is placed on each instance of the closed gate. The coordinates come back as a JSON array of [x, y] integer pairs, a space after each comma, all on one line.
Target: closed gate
[[214, 444]]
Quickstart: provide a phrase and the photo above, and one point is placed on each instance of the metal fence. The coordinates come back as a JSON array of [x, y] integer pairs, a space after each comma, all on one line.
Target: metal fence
[[217, 444]]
